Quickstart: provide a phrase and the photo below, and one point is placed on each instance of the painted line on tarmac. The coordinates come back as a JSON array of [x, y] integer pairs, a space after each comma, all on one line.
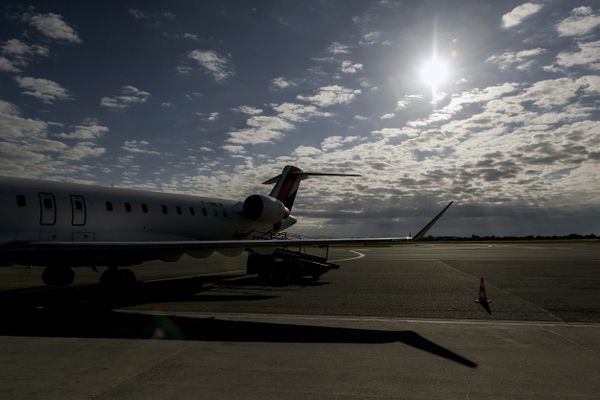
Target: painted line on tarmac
[[358, 255], [308, 317]]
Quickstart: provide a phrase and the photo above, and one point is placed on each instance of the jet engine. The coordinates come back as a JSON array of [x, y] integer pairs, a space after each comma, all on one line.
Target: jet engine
[[264, 209]]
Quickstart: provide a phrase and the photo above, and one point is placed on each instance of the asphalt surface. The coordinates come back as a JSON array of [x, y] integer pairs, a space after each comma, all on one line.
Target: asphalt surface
[[391, 323]]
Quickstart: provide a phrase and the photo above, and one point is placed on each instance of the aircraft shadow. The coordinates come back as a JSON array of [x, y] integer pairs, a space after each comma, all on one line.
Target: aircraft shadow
[[83, 312], [189, 289], [113, 324]]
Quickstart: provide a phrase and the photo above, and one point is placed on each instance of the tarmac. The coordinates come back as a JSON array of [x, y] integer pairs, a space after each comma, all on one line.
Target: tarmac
[[397, 322]]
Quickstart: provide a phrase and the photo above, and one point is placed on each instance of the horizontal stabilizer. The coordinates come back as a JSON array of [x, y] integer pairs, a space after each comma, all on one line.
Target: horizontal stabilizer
[[303, 175]]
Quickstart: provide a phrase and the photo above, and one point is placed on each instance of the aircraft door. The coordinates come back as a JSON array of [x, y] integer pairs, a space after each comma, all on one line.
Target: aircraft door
[[78, 209], [47, 209]]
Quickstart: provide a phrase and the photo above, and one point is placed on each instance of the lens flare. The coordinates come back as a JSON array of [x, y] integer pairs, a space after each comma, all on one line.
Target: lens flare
[[434, 72]]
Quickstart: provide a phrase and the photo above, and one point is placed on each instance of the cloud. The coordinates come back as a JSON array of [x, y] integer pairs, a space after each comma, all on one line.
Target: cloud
[[298, 112], [17, 48], [349, 68], [282, 83], [582, 21], [588, 56], [137, 14], [139, 147], [387, 116], [53, 26], [212, 63], [234, 148], [338, 48], [43, 89], [129, 95], [213, 116], [89, 130], [185, 35], [396, 132], [306, 151], [519, 14], [508, 59], [370, 38], [407, 100], [13, 126], [266, 129], [25, 149], [334, 142], [360, 118], [248, 110], [17, 54], [331, 95], [82, 150], [558, 92], [7, 66], [262, 129]]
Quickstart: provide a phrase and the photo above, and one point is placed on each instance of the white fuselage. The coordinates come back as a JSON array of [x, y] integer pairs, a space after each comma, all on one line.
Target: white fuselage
[[33, 210]]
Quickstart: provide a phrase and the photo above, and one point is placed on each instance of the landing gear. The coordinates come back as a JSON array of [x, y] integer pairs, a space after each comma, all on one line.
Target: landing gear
[[58, 276], [119, 282]]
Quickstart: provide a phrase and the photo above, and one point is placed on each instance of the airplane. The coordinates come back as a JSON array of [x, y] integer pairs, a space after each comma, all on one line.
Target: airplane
[[61, 226]]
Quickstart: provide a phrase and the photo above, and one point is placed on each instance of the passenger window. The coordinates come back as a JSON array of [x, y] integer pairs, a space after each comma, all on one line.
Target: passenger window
[[178, 210], [192, 211], [145, 208], [48, 203], [128, 207], [215, 212], [109, 206], [78, 205], [21, 201], [224, 213], [164, 209], [204, 211]]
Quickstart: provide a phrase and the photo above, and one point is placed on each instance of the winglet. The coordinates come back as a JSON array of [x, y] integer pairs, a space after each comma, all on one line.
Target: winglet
[[423, 231]]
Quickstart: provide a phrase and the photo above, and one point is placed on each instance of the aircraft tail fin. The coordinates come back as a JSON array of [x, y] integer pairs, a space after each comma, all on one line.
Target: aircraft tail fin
[[287, 183]]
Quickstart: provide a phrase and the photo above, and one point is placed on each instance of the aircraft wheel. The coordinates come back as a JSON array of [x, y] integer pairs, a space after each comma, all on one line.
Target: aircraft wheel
[[58, 276], [127, 277], [109, 278]]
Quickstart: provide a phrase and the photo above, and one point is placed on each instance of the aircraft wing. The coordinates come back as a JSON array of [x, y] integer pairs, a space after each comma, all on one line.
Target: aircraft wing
[[198, 245]]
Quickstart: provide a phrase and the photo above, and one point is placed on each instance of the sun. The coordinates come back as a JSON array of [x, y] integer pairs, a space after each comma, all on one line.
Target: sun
[[434, 73]]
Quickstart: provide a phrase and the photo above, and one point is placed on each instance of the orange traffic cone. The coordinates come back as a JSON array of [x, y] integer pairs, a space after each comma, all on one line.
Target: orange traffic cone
[[482, 295]]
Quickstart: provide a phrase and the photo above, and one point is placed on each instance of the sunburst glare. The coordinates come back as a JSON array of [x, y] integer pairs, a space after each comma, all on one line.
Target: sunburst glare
[[434, 73]]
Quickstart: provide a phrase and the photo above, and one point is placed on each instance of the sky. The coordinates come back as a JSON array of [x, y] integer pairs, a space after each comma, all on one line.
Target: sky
[[494, 105]]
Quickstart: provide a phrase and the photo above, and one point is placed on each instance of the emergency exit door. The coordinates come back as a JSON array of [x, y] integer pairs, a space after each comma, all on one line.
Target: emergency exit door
[[47, 209], [78, 210]]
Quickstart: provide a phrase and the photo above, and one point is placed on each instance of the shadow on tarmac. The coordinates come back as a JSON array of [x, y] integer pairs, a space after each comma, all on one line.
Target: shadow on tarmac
[[80, 312], [113, 324], [188, 289]]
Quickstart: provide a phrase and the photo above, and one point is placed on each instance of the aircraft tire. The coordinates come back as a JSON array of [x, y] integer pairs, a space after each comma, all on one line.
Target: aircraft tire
[[127, 277]]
